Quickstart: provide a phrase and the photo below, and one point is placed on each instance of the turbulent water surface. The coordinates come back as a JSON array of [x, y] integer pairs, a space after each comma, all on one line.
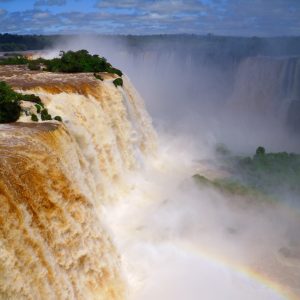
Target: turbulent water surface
[[54, 178], [97, 208]]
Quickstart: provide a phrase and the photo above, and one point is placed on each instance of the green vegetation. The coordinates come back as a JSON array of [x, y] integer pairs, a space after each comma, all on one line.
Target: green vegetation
[[270, 172], [115, 71], [10, 103], [45, 115], [9, 111], [260, 151], [7, 94], [274, 174], [118, 82], [10, 108], [69, 62], [31, 98], [14, 60], [12, 47], [34, 65], [78, 62], [38, 108], [14, 42], [58, 118], [97, 76], [230, 187], [211, 46], [34, 118]]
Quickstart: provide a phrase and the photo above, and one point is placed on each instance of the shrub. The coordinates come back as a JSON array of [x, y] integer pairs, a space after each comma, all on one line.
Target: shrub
[[15, 60], [45, 115], [31, 98], [260, 151], [97, 76], [8, 94], [78, 62], [58, 118], [9, 111], [34, 65], [115, 71], [38, 108], [9, 103], [10, 108], [271, 173], [34, 118], [69, 62], [118, 82]]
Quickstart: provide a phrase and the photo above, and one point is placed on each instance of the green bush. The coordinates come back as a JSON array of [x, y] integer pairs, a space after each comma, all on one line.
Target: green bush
[[58, 118], [38, 108], [45, 115], [97, 76], [16, 60], [10, 108], [270, 173], [115, 71], [31, 98], [8, 94], [10, 103], [34, 65], [9, 111], [260, 151], [78, 62], [68, 62], [230, 187], [34, 118], [118, 82]]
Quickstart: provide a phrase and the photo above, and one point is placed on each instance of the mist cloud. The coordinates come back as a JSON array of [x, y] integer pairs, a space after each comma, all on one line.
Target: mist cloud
[[180, 240]]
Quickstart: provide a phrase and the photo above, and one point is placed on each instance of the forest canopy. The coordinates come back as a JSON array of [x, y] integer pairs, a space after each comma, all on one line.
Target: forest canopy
[[68, 62], [15, 42]]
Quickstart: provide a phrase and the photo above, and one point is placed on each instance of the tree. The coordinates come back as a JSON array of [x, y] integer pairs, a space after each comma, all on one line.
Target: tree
[[260, 151]]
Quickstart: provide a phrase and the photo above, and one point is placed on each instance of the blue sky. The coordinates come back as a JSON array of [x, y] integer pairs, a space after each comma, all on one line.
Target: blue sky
[[224, 17]]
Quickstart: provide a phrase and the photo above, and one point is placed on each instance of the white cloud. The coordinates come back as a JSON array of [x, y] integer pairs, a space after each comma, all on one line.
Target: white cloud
[[235, 17], [50, 2]]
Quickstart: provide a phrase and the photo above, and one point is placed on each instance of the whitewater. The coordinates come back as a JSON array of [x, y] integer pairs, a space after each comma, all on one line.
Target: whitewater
[[103, 207]]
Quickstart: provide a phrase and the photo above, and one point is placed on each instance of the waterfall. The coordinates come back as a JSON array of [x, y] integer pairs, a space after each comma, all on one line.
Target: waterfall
[[54, 178], [84, 215], [267, 86]]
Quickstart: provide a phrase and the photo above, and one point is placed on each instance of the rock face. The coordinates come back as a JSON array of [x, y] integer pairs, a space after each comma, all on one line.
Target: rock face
[[55, 176]]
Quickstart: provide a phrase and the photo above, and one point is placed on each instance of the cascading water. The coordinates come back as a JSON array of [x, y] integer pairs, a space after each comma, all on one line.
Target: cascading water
[[62, 236], [267, 86], [53, 243]]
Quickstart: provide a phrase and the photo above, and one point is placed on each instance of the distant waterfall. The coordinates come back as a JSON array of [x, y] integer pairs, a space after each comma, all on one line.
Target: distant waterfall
[[267, 86]]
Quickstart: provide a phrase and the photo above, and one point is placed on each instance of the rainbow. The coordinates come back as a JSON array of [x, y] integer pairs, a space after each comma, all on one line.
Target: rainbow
[[244, 271]]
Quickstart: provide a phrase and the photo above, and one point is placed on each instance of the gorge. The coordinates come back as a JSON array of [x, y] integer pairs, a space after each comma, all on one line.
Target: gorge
[[100, 206]]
